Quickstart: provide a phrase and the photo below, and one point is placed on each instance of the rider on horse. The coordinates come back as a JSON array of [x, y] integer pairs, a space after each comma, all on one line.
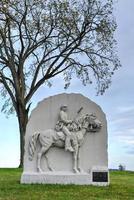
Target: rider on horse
[[64, 125]]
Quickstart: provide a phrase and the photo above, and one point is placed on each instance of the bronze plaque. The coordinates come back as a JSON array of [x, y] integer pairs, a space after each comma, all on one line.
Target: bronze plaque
[[100, 176]]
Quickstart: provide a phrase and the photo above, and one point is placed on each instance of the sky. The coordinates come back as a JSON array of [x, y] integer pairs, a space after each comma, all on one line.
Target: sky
[[117, 102]]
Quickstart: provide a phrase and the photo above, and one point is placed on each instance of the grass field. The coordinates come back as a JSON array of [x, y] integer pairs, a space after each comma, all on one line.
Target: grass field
[[121, 187]]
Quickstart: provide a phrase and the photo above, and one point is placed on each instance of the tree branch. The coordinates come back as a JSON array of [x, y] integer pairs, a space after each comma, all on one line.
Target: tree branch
[[3, 79]]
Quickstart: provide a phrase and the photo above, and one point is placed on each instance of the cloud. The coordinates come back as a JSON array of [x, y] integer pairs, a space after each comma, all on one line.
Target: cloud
[[131, 152], [126, 141], [123, 119], [122, 129], [125, 109]]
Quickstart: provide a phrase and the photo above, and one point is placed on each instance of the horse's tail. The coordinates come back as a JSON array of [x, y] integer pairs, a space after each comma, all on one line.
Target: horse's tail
[[32, 145]]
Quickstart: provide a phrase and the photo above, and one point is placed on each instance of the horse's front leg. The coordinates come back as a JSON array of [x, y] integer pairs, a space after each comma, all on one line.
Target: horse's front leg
[[75, 158], [79, 167]]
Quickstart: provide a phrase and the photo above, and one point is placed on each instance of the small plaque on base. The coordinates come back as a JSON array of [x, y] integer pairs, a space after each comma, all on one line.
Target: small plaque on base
[[100, 176]]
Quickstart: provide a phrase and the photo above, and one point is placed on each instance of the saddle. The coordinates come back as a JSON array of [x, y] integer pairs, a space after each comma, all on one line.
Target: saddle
[[60, 135]]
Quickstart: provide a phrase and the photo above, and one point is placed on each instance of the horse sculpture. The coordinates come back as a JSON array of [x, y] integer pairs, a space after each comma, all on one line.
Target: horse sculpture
[[51, 138]]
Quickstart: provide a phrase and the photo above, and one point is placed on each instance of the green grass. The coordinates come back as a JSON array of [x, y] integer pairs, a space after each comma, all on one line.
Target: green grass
[[121, 187]]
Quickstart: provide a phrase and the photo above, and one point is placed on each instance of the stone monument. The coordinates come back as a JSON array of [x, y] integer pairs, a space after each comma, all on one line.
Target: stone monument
[[66, 142]]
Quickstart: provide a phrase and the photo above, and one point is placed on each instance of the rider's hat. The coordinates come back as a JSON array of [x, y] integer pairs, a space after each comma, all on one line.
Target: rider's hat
[[63, 106]]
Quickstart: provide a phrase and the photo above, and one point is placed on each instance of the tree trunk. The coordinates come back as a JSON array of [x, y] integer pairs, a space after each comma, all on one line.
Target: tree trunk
[[22, 143], [22, 119]]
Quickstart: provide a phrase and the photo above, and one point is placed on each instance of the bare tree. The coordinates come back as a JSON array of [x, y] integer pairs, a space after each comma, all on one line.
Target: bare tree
[[41, 39]]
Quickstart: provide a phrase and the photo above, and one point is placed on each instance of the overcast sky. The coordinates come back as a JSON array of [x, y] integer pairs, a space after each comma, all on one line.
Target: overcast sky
[[117, 102]]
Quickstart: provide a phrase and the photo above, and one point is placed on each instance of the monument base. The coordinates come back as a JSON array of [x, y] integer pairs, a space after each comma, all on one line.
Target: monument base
[[60, 178]]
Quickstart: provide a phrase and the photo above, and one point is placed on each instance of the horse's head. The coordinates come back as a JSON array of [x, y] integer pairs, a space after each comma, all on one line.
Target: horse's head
[[94, 125], [84, 121], [91, 123]]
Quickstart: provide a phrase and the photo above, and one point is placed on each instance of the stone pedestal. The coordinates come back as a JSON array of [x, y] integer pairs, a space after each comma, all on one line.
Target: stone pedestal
[[66, 178], [57, 178]]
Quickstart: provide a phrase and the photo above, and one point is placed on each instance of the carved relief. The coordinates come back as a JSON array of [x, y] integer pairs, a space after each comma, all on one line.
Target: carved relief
[[68, 134]]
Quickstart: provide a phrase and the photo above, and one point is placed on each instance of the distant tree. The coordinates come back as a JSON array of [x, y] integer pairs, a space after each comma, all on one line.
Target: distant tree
[[122, 167], [41, 39]]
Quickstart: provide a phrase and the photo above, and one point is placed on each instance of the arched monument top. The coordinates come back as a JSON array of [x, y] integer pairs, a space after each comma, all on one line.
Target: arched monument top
[[66, 135]]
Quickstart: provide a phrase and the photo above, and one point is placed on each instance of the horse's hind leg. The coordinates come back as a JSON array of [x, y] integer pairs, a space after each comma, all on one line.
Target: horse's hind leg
[[39, 155], [48, 163], [42, 151]]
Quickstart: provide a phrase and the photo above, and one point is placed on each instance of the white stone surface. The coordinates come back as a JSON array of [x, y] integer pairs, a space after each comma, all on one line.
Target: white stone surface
[[93, 152], [56, 178]]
